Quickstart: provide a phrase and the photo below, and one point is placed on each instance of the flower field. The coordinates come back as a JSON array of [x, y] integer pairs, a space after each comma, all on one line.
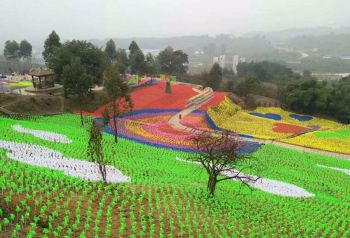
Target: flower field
[[276, 123], [165, 197], [151, 127], [154, 97], [6, 86]]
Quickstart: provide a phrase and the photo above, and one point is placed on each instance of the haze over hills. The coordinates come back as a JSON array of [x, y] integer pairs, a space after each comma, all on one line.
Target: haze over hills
[[318, 49]]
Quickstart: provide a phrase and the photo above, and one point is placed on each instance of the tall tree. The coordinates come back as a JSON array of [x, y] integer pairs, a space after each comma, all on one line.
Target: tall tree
[[92, 58], [110, 50], [95, 149], [51, 42], [25, 49], [151, 65], [122, 60], [215, 76], [76, 82], [133, 47], [219, 154], [11, 50], [136, 59], [118, 91], [173, 62]]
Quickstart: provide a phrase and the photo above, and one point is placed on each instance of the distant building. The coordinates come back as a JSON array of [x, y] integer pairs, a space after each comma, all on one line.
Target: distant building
[[235, 63], [231, 65]]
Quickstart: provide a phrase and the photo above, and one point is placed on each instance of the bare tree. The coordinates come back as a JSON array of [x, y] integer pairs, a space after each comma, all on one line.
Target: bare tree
[[95, 149], [115, 109], [118, 91], [219, 154]]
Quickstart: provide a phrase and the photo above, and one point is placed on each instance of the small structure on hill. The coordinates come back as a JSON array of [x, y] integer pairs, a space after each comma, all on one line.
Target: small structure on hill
[[43, 82], [42, 78]]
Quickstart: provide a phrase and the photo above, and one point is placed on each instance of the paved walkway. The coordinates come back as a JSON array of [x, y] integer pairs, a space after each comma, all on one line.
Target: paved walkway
[[175, 122]]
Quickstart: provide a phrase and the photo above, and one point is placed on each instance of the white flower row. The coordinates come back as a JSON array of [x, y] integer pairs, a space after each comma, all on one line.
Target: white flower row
[[269, 185], [52, 159], [347, 171], [44, 135]]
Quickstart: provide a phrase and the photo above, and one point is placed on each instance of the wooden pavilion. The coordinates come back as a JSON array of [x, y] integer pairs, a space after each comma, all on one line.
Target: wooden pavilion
[[42, 78]]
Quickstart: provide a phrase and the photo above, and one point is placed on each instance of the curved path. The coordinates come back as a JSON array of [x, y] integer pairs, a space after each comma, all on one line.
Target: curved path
[[175, 122]]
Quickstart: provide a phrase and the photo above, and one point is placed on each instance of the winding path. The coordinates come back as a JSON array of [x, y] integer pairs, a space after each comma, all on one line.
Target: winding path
[[175, 122]]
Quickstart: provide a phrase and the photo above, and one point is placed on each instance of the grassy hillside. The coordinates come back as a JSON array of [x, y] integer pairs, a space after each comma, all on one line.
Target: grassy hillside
[[166, 198]]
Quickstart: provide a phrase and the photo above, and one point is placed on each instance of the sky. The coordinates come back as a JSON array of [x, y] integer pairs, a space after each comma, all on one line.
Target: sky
[[101, 19]]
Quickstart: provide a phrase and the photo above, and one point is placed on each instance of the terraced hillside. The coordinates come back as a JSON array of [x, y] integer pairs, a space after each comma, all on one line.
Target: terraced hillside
[[164, 196]]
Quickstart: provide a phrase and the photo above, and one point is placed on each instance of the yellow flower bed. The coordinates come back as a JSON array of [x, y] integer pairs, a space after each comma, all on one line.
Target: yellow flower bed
[[323, 123], [312, 141], [230, 116]]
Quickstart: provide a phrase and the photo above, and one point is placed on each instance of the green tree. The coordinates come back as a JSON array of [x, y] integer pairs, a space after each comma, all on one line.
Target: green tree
[[122, 60], [92, 58], [110, 50], [265, 71], [340, 101], [95, 149], [215, 76], [11, 50], [51, 42], [306, 96], [151, 65], [118, 92], [173, 62], [136, 59], [247, 86], [76, 82], [25, 49]]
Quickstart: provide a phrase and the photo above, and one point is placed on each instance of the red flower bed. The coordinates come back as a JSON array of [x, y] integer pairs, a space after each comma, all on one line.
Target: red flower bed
[[154, 97], [287, 128], [218, 97]]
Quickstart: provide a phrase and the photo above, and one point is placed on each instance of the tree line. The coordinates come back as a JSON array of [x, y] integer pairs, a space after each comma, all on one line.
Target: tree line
[[80, 65], [15, 51]]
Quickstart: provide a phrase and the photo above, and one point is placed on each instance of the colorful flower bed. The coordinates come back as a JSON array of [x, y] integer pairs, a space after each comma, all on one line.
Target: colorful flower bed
[[271, 116], [230, 116], [343, 134], [6, 86], [300, 117], [166, 197], [151, 127], [288, 128], [328, 135], [155, 97]]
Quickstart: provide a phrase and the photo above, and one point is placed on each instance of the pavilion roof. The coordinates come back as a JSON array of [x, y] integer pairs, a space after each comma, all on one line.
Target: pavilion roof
[[42, 71]]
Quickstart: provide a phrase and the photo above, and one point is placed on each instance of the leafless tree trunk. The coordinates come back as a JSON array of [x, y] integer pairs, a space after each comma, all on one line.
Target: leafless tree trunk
[[219, 154]]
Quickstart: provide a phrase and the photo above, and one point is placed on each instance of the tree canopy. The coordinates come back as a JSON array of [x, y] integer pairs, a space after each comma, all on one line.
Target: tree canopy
[[265, 71], [136, 59], [313, 97], [76, 81], [122, 60], [173, 62], [25, 49], [118, 91], [92, 58], [111, 50], [51, 42], [11, 50]]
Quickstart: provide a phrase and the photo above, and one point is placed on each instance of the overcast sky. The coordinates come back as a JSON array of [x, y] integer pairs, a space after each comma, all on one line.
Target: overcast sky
[[100, 19]]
